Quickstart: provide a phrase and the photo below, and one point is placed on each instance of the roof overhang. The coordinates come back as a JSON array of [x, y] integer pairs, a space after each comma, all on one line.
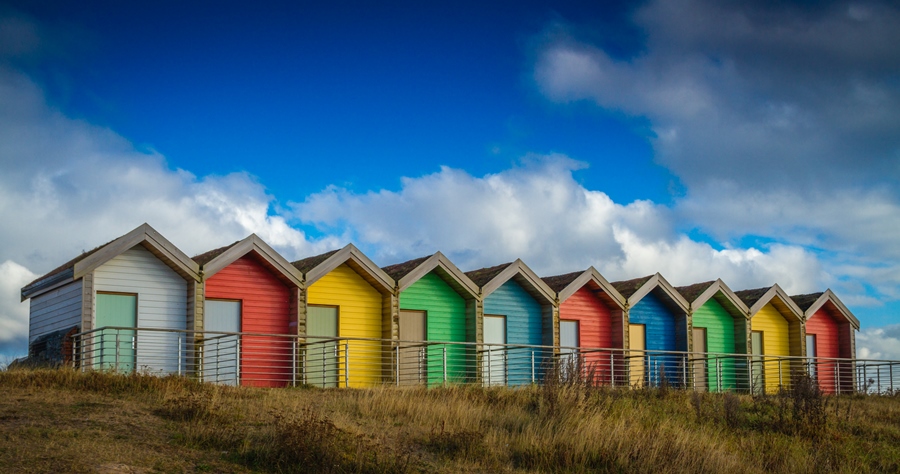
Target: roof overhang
[[591, 275], [361, 264], [524, 276], [265, 254], [447, 271]]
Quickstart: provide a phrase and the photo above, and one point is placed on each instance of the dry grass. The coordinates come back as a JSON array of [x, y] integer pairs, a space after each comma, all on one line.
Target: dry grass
[[52, 421]]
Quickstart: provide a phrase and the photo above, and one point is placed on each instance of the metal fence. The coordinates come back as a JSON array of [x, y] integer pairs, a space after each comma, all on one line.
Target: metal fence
[[273, 360]]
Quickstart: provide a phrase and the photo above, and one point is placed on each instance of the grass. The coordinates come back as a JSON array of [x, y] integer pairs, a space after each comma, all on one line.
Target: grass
[[61, 420]]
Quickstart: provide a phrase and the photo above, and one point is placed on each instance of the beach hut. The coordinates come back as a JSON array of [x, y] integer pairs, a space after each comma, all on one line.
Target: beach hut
[[248, 288], [139, 280], [519, 310], [657, 324], [830, 334], [776, 333], [349, 303], [437, 303], [591, 319], [719, 325]]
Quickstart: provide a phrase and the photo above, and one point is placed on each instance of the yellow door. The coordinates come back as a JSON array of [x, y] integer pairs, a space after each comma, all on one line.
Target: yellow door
[[637, 342]]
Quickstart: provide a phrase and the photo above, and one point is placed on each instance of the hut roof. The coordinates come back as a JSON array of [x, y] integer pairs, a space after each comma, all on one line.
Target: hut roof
[[629, 287], [558, 283], [483, 275], [805, 301], [308, 263], [692, 292], [206, 257], [750, 297], [400, 270]]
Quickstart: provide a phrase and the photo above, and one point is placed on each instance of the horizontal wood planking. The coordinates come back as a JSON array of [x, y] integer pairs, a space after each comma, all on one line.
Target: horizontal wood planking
[[55, 310], [523, 326], [595, 329], [665, 331], [446, 321], [359, 315], [720, 337], [776, 342], [829, 343], [162, 303], [265, 308]]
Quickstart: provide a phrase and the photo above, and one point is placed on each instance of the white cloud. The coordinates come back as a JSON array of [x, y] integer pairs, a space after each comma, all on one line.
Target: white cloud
[[13, 314], [879, 343]]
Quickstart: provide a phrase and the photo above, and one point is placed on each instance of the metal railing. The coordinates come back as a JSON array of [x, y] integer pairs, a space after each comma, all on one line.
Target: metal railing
[[277, 360]]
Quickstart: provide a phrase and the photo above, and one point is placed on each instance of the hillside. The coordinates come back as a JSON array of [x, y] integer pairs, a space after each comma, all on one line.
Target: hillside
[[64, 421]]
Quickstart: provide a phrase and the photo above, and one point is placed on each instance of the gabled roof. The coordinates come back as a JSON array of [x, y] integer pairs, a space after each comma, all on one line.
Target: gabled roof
[[215, 260], [699, 293], [491, 278], [316, 267], [409, 272], [627, 288], [87, 262], [638, 288], [813, 302], [566, 285], [759, 297]]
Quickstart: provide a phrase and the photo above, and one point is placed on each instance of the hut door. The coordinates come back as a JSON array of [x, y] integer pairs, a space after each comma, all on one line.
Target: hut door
[[322, 362], [637, 342], [811, 355], [757, 365], [568, 342], [700, 358], [412, 363], [117, 346], [221, 361], [493, 361]]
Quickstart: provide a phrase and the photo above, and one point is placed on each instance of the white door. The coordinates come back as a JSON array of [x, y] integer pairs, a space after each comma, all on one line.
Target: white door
[[568, 347], [811, 355], [221, 361], [493, 369]]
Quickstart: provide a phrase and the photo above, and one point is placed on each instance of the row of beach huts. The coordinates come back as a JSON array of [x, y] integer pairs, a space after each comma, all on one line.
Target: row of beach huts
[[140, 303]]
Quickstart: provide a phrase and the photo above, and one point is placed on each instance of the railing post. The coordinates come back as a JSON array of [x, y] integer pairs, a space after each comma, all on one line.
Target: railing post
[[237, 362], [684, 371], [200, 352], [750, 372], [490, 371], [612, 370], [179, 355], [532, 367], [444, 362], [117, 352], [878, 380], [397, 371], [719, 377], [81, 350], [780, 375], [346, 364], [891, 372], [293, 362]]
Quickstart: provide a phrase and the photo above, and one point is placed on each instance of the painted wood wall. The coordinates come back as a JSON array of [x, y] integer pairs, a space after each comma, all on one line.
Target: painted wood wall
[[446, 321], [665, 331], [776, 342], [595, 329], [55, 310], [720, 337], [359, 315], [265, 308], [162, 303], [523, 326], [832, 340]]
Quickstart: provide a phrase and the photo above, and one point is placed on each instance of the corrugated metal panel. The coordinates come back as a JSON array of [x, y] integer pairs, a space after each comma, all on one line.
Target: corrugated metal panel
[[55, 310], [776, 342], [523, 326], [720, 333], [265, 361], [446, 322], [162, 303], [359, 316]]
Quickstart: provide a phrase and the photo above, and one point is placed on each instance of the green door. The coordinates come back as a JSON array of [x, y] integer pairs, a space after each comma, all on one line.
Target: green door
[[322, 362], [117, 346]]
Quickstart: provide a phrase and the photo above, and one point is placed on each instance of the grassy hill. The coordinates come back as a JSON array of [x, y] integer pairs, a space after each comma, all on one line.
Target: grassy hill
[[65, 421]]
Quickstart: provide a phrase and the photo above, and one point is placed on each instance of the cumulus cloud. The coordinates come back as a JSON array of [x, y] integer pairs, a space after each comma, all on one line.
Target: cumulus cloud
[[537, 211], [13, 316], [879, 343]]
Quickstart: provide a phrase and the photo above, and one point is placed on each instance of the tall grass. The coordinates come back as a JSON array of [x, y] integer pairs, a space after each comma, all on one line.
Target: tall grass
[[563, 426]]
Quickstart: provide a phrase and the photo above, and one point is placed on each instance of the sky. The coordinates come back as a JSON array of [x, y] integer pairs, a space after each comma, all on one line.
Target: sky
[[757, 142]]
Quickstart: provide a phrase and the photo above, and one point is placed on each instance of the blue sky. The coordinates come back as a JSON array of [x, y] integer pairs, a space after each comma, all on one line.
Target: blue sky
[[759, 143]]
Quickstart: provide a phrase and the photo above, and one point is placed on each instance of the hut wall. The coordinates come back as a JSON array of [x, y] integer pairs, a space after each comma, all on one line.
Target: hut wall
[[523, 326], [55, 310], [720, 337], [595, 330], [776, 342]]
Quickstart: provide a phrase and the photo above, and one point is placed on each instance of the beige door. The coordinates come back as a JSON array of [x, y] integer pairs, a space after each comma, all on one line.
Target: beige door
[[637, 344], [699, 359], [412, 364], [757, 365]]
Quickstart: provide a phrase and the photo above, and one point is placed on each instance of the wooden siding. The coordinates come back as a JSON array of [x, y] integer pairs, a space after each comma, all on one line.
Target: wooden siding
[[265, 308], [446, 311], [55, 310], [665, 331], [523, 326], [595, 329], [776, 342], [162, 303], [359, 315], [720, 337], [832, 341]]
